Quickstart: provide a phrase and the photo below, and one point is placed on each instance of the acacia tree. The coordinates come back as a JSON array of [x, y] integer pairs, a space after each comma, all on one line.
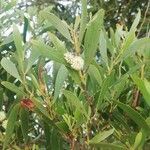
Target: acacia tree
[[95, 95]]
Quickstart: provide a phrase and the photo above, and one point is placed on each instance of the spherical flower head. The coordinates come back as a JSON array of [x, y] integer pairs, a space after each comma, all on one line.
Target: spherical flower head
[[77, 63], [68, 57], [2, 115], [4, 124]]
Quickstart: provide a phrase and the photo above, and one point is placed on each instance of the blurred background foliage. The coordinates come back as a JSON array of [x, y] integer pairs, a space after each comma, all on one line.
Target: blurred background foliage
[[117, 12], [13, 12]]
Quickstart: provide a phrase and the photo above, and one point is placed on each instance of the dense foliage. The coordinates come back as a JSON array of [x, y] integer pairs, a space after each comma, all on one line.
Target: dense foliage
[[79, 84]]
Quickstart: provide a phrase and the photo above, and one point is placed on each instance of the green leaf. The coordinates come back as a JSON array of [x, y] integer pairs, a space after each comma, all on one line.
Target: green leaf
[[141, 46], [144, 87], [73, 99], [103, 48], [74, 75], [136, 21], [26, 23], [61, 77], [135, 116], [101, 136], [83, 19], [59, 45], [63, 126], [94, 73], [40, 106], [19, 47], [41, 109], [129, 40], [105, 87], [92, 36], [138, 140], [11, 124], [77, 22], [10, 67], [24, 118], [57, 23], [31, 60], [47, 133], [48, 51], [108, 146], [12, 87]]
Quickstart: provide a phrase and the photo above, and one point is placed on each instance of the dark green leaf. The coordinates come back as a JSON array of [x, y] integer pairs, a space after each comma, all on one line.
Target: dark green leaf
[[108, 146], [144, 87], [11, 124], [101, 136], [135, 116], [73, 99], [26, 23], [24, 118], [61, 77]]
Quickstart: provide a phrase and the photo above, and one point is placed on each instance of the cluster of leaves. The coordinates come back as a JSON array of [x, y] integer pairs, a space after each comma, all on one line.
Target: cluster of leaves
[[104, 106]]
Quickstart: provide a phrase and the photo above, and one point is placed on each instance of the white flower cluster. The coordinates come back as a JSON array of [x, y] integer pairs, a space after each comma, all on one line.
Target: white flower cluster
[[76, 62], [2, 115], [4, 124]]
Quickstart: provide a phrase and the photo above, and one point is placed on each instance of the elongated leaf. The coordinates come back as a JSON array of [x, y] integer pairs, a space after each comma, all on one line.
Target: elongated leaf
[[74, 75], [103, 48], [138, 140], [101, 136], [108, 146], [40, 106], [77, 22], [94, 73], [31, 60], [144, 86], [136, 21], [140, 46], [57, 23], [135, 116], [19, 47], [47, 135], [49, 52], [10, 67], [11, 125], [83, 19], [42, 110], [73, 99], [130, 38], [92, 36], [12, 87], [105, 87], [59, 45], [61, 77], [24, 118], [26, 23]]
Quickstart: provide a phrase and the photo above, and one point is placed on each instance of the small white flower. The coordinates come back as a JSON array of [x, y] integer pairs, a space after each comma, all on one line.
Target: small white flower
[[2, 115], [76, 62], [69, 57], [4, 124]]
